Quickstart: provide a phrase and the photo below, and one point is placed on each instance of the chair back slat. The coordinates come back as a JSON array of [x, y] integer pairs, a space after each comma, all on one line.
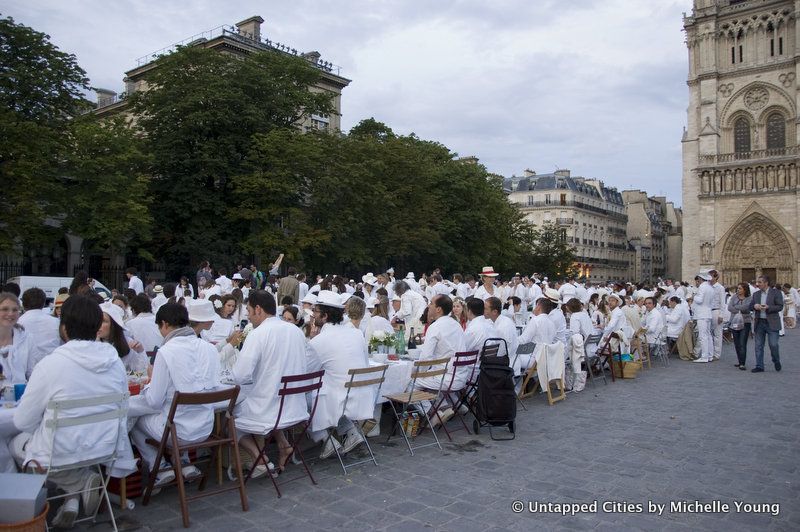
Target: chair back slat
[[465, 358], [63, 404], [371, 369], [117, 413], [200, 398], [360, 384], [302, 377], [431, 362], [491, 350], [429, 373]]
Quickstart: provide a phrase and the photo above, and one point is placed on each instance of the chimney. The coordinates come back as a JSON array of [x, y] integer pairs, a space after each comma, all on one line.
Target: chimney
[[250, 28], [529, 173], [312, 57], [104, 97], [562, 172]]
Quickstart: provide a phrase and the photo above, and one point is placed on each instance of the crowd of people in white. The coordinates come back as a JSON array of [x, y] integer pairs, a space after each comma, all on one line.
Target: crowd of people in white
[[252, 328]]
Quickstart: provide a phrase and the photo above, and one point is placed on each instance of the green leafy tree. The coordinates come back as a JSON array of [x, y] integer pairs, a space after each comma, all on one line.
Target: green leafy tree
[[544, 249], [41, 91], [108, 186], [201, 114]]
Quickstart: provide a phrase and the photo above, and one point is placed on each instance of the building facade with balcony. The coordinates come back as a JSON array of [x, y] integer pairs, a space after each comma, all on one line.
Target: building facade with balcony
[[740, 146], [654, 231], [591, 215]]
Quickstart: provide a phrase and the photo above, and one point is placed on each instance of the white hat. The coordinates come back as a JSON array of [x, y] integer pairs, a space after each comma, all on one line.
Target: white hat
[[200, 310], [396, 298], [704, 275], [237, 277], [309, 298], [115, 313], [329, 298], [345, 297], [410, 275], [314, 289], [158, 289], [613, 295], [488, 271], [369, 279], [390, 270], [371, 302], [552, 295]]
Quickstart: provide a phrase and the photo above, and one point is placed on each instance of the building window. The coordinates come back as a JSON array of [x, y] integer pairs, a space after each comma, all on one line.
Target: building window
[[741, 55], [547, 199], [741, 135], [530, 201], [776, 131], [563, 199], [772, 47], [780, 45]]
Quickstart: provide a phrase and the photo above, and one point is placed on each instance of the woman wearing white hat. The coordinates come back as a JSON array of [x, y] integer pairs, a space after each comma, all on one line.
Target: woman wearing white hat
[[487, 289], [113, 332]]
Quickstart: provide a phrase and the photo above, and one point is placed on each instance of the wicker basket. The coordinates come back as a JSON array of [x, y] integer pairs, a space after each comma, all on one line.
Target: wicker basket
[[37, 524], [630, 369]]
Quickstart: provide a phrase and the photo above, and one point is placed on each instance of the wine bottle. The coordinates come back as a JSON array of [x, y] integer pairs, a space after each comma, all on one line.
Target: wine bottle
[[411, 343]]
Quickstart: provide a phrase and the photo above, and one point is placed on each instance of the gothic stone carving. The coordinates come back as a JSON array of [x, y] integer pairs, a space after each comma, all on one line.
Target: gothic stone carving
[[756, 98]]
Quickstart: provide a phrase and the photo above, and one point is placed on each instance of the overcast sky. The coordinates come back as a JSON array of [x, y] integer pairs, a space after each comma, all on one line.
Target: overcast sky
[[596, 86]]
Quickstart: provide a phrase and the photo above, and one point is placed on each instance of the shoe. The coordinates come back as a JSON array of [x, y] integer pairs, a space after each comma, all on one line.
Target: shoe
[[777, 366], [330, 445], [66, 514], [351, 441], [715, 357], [743, 367], [163, 478], [190, 472], [447, 414], [91, 493], [757, 370], [737, 365], [368, 425], [375, 431], [701, 360], [463, 410], [260, 470]]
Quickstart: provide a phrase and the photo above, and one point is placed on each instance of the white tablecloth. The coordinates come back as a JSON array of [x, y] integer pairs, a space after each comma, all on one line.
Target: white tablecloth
[[398, 375], [7, 432]]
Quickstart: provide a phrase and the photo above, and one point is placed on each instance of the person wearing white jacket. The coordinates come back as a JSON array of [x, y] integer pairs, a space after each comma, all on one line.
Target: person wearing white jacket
[[184, 363], [337, 349], [40, 326], [81, 368], [677, 318], [273, 349], [653, 324], [702, 309], [142, 326]]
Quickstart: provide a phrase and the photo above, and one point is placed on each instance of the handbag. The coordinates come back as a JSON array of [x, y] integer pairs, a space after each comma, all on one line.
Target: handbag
[[737, 322]]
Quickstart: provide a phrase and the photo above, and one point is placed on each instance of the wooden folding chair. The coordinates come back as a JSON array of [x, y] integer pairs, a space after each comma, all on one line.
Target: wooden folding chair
[[350, 385], [559, 382], [606, 355], [643, 348], [527, 377], [465, 359], [415, 397], [170, 444], [289, 388]]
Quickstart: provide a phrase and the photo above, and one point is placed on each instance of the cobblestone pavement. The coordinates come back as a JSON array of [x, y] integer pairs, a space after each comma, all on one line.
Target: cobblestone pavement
[[689, 432]]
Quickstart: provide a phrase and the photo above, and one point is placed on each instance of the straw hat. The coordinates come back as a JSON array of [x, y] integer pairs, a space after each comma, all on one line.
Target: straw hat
[[158, 289], [200, 310], [552, 295], [488, 271], [60, 298]]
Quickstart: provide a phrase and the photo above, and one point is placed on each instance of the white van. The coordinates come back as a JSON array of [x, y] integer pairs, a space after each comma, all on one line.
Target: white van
[[50, 285]]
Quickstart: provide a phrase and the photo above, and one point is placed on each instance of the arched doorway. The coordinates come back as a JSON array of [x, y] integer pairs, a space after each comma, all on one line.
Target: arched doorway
[[756, 246]]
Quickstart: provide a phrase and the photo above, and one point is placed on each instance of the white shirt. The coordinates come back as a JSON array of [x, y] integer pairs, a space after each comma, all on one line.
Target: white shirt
[[219, 331], [412, 306], [14, 358], [476, 333], [464, 291], [43, 336], [540, 330], [654, 326], [504, 328], [676, 319], [157, 302], [701, 306], [718, 301], [581, 323], [183, 364], [581, 293], [225, 284], [338, 349], [135, 284], [273, 349], [560, 322], [303, 287], [567, 292], [444, 338], [144, 330], [616, 322], [483, 294]]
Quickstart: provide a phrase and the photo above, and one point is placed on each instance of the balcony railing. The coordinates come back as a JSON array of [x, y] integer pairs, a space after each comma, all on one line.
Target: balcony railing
[[576, 204], [565, 221], [749, 155]]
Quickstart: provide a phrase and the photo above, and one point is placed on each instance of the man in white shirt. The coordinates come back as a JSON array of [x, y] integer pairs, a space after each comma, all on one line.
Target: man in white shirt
[[160, 298], [467, 288], [653, 324], [617, 320], [717, 307], [504, 328], [337, 349], [40, 326], [224, 283], [134, 283], [273, 349], [303, 286], [539, 330], [444, 338], [581, 293], [143, 326], [478, 327], [566, 291], [701, 310], [185, 363]]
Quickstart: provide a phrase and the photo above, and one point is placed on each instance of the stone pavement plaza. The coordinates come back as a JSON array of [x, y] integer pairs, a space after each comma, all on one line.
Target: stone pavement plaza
[[689, 432]]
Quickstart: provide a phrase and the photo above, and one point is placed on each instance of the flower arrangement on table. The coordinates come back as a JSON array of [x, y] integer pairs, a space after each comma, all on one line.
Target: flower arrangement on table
[[379, 339], [247, 329]]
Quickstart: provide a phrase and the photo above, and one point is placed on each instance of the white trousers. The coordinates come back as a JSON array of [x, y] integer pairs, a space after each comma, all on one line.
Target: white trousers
[[705, 338], [716, 333], [70, 481]]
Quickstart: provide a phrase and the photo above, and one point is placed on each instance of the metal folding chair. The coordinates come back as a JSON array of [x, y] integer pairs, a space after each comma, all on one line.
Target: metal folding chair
[[170, 444], [463, 359], [349, 385], [285, 391], [111, 407], [660, 350], [415, 397]]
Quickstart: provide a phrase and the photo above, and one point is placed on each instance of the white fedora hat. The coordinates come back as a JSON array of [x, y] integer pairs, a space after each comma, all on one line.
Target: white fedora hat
[[309, 298], [158, 289], [200, 310], [369, 279], [329, 298], [552, 295], [488, 271]]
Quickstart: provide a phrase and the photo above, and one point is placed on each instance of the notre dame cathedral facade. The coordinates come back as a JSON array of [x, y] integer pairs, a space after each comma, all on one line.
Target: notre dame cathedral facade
[[741, 162]]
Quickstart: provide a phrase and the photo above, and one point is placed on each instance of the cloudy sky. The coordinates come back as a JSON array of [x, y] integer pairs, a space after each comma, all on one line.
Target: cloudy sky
[[596, 86]]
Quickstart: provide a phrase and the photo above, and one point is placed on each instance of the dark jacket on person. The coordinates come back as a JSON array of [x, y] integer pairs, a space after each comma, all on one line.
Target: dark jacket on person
[[774, 307]]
